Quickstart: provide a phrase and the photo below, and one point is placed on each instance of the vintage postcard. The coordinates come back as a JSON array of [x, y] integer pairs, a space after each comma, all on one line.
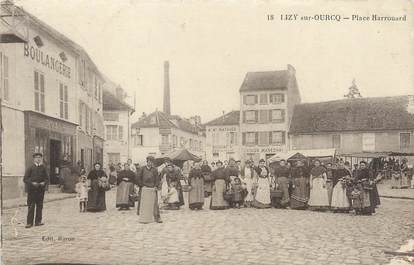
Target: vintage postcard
[[207, 132]]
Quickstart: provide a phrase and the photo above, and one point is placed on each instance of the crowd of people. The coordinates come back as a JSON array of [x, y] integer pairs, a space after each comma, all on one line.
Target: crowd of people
[[315, 186]]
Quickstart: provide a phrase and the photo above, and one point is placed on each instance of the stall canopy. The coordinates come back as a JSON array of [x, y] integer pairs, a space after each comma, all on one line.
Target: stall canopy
[[299, 154], [376, 154], [178, 157]]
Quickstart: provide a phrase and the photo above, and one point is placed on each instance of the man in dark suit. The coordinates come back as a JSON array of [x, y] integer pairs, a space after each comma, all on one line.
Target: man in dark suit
[[36, 180]]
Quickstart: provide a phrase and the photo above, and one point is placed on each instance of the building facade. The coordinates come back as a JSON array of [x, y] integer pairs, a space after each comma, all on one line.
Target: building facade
[[116, 113], [40, 91], [266, 105], [356, 125], [222, 137], [160, 133]]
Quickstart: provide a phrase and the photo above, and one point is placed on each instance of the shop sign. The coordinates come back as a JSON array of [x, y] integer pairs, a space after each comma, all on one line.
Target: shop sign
[[269, 149]]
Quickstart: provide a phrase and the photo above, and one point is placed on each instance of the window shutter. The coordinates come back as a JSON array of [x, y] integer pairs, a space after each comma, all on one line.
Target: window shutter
[[270, 138], [283, 137], [256, 113], [244, 100], [257, 138], [121, 132], [282, 97], [244, 138], [244, 116], [255, 99], [283, 115]]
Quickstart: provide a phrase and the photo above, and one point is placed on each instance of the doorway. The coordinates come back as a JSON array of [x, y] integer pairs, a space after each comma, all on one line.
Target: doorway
[[54, 153]]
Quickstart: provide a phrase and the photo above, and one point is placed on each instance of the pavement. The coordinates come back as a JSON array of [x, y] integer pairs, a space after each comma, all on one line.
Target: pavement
[[385, 191], [235, 236]]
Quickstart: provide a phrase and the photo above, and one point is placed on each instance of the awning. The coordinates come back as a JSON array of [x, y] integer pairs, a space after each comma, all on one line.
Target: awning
[[312, 153], [178, 157]]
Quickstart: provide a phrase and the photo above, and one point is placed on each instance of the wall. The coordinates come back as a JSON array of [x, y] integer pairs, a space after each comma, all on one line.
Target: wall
[[151, 143], [198, 151], [113, 146], [222, 148]]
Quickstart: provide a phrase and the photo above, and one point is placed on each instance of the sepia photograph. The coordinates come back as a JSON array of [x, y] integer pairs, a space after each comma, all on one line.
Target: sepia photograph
[[259, 132]]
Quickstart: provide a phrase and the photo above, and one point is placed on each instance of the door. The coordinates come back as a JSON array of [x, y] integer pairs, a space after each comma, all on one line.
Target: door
[[54, 161]]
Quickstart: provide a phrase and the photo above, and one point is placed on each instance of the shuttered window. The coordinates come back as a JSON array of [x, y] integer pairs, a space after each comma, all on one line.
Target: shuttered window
[[277, 98], [250, 116], [263, 98], [277, 137], [264, 116], [250, 99], [277, 115], [251, 138], [263, 138]]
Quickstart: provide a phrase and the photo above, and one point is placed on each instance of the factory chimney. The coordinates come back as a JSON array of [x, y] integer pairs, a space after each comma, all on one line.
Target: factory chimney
[[167, 107]]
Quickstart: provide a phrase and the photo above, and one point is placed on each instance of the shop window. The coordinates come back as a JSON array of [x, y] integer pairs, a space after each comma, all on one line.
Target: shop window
[[138, 140], [405, 140], [336, 141], [63, 101], [39, 91], [277, 98], [232, 138]]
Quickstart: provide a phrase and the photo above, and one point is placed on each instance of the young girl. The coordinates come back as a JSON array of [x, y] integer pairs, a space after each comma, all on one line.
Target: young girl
[[237, 193], [82, 192], [173, 201]]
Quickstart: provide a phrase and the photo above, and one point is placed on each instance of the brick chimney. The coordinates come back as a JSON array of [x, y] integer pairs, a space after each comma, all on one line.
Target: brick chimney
[[167, 106]]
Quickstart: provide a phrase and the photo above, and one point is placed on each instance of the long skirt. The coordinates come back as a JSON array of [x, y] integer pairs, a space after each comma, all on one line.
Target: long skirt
[[318, 199], [340, 201], [96, 198], [396, 181], [123, 195], [283, 184], [207, 188], [299, 198], [164, 189], [217, 199], [374, 197], [180, 193], [329, 187], [367, 208], [196, 194], [148, 210], [262, 196]]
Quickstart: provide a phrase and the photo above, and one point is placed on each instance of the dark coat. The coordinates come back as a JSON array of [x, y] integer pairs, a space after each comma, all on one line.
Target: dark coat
[[36, 174]]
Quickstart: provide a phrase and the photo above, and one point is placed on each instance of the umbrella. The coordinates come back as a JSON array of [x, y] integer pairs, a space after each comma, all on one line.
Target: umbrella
[[178, 157]]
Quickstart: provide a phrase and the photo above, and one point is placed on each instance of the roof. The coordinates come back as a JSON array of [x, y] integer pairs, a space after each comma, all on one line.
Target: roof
[[330, 152], [269, 80], [162, 120], [358, 114], [56, 35], [231, 118], [111, 102]]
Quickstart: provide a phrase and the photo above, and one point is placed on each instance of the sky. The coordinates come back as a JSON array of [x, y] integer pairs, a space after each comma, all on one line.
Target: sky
[[211, 45]]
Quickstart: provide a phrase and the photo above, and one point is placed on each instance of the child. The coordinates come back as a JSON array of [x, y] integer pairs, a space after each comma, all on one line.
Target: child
[[357, 200], [82, 190], [173, 201], [237, 193]]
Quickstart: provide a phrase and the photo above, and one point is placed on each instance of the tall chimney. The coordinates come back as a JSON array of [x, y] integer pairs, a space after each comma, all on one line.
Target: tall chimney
[[167, 107]]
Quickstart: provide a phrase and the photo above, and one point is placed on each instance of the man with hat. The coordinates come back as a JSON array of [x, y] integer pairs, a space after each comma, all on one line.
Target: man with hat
[[147, 177], [36, 180]]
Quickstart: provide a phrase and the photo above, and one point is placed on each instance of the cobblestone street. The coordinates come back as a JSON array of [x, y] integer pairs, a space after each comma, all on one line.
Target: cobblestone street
[[245, 236]]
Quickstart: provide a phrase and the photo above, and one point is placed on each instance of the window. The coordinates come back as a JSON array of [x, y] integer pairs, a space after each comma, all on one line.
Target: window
[[263, 116], [39, 93], [250, 116], [250, 99], [368, 142], [120, 133], [336, 141], [82, 73], [277, 137], [232, 138], [4, 76], [277, 115], [277, 98], [405, 140], [86, 119], [250, 138], [91, 127], [112, 132], [263, 138], [182, 142], [263, 98], [138, 140], [108, 116], [81, 114], [164, 139], [63, 101], [175, 141]]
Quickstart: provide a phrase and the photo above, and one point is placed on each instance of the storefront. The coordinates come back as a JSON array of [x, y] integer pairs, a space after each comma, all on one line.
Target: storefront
[[257, 153], [52, 137]]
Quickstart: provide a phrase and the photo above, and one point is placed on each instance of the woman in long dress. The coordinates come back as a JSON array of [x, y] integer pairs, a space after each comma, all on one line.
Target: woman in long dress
[[262, 196], [206, 171], [174, 175], [220, 182], [318, 199], [282, 181], [125, 189], [300, 184], [96, 195], [248, 177], [196, 183], [362, 178], [340, 201]]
